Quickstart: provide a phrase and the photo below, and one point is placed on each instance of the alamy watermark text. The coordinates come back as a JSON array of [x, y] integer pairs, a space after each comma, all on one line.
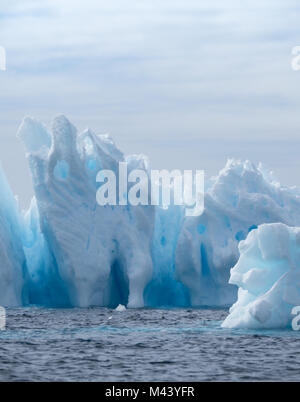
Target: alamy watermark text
[[159, 187], [2, 58], [2, 318], [296, 58]]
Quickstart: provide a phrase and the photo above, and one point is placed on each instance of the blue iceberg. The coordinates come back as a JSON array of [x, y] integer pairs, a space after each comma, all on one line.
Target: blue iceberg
[[268, 276], [239, 199], [13, 269], [67, 250], [93, 255]]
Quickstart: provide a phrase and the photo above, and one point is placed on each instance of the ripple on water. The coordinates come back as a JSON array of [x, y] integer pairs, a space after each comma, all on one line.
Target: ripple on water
[[99, 344]]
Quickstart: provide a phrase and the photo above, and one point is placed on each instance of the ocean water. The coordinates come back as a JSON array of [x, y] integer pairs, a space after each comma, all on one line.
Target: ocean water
[[99, 344]]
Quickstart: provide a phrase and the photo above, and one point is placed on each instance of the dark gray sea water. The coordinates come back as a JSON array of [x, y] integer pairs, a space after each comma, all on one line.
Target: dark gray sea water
[[99, 344]]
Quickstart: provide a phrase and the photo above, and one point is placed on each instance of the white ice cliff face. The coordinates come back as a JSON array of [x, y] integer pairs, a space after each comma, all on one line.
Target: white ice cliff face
[[13, 271], [74, 252], [239, 199], [94, 255], [268, 277]]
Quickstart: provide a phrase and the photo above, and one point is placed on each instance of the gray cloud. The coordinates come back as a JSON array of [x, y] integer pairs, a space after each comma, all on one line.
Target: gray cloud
[[195, 80]]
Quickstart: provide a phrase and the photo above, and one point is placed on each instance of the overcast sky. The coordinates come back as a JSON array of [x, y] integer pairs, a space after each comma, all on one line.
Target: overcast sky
[[187, 82]]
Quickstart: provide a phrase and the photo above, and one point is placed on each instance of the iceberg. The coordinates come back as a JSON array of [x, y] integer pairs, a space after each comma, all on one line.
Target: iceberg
[[67, 250], [239, 199], [94, 255], [13, 270], [268, 276], [120, 308]]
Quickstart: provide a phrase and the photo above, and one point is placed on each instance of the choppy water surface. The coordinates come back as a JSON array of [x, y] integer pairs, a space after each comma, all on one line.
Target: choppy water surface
[[99, 344]]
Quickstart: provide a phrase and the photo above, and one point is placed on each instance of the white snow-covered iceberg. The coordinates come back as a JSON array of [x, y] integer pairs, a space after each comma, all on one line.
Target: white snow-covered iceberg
[[239, 199], [82, 253], [13, 270], [78, 253], [268, 277]]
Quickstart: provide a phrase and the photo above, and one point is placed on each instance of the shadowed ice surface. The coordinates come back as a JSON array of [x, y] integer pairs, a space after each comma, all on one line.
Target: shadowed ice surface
[[99, 344]]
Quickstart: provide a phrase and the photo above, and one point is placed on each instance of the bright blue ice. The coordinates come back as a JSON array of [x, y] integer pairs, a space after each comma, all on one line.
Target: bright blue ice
[[13, 270]]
